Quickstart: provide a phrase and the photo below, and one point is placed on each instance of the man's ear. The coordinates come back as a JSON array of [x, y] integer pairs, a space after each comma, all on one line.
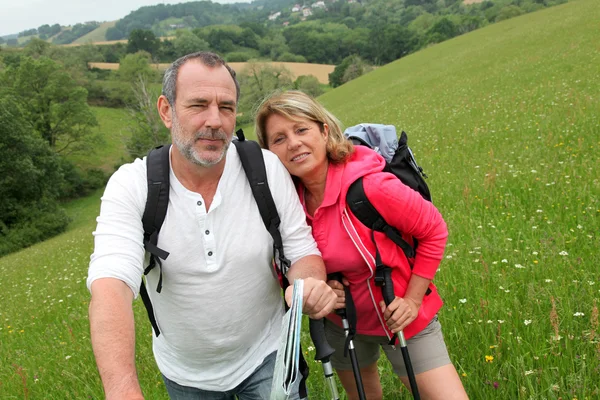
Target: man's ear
[[165, 111]]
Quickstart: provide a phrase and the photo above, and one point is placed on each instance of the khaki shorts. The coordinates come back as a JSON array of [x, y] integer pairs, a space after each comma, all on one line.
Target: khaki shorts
[[427, 349]]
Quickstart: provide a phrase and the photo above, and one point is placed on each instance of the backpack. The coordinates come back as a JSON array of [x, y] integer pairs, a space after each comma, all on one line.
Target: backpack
[[401, 163]]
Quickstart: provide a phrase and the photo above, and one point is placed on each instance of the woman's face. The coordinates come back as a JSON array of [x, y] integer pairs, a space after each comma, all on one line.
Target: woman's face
[[300, 145]]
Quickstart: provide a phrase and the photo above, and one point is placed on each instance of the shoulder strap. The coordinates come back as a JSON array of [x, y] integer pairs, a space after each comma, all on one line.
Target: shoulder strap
[[368, 215], [253, 163], [157, 201], [254, 166]]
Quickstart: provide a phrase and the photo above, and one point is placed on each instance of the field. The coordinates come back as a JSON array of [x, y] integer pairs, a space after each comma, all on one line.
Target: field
[[506, 122], [320, 71], [97, 35], [114, 125]]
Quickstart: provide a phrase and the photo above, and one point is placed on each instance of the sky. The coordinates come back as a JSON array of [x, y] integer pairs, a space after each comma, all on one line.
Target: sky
[[19, 15]]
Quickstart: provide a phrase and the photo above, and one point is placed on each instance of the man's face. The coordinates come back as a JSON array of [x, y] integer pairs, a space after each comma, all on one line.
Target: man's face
[[203, 117]]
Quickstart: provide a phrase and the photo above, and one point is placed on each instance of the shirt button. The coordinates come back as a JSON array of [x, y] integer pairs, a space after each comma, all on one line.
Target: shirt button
[[199, 202], [210, 253], [207, 232]]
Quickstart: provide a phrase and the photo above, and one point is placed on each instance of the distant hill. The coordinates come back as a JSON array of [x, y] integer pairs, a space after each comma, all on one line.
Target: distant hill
[[97, 35]]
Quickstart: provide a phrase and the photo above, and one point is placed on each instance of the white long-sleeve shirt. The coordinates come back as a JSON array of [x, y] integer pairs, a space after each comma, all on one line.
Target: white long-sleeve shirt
[[220, 308]]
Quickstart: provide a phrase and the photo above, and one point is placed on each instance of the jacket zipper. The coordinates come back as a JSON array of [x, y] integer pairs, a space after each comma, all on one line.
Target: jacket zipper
[[370, 261]]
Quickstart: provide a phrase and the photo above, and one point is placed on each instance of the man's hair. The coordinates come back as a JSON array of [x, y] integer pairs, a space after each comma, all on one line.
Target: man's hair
[[296, 105], [212, 60]]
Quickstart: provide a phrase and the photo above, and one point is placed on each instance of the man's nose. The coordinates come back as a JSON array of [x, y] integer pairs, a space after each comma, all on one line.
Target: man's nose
[[213, 117]]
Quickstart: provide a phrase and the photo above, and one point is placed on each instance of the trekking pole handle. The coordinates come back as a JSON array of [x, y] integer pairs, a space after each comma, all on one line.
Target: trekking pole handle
[[337, 276], [388, 296], [317, 333]]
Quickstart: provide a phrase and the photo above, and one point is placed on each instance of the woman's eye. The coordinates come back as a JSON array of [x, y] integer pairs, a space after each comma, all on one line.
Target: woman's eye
[[301, 130], [278, 139]]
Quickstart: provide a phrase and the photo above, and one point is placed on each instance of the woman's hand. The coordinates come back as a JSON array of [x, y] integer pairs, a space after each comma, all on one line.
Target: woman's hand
[[338, 288], [400, 313]]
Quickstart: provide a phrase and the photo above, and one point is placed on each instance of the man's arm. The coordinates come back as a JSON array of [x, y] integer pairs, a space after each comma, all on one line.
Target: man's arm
[[319, 298], [113, 338]]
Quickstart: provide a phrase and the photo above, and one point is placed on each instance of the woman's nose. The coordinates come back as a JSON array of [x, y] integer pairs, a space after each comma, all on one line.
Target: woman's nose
[[294, 142]]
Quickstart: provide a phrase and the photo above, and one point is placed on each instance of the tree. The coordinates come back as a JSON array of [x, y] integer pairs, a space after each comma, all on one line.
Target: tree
[[350, 68], [53, 105], [30, 181], [36, 48], [134, 65], [114, 33], [443, 29], [257, 81], [142, 40], [186, 42], [309, 84], [508, 12], [148, 130], [390, 42]]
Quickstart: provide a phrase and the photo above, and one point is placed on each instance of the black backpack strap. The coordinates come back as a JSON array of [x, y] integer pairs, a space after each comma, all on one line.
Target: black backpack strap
[[254, 165], [157, 202], [366, 213]]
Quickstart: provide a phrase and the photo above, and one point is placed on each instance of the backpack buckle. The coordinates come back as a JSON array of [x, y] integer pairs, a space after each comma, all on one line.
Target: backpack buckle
[[379, 276]]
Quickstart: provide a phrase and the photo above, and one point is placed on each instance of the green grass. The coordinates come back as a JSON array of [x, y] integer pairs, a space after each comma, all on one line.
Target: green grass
[[97, 35], [113, 124], [505, 121]]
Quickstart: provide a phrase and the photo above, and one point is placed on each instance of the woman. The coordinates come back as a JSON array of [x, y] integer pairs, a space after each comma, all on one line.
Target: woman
[[309, 142]]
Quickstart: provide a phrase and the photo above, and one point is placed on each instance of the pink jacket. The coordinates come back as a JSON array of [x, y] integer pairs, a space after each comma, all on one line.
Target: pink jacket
[[346, 244]]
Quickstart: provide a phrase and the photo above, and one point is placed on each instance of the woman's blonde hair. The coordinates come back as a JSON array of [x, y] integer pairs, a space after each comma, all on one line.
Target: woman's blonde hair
[[295, 105]]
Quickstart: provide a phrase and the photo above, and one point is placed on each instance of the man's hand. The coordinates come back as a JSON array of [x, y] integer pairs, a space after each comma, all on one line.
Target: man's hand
[[319, 298], [400, 313]]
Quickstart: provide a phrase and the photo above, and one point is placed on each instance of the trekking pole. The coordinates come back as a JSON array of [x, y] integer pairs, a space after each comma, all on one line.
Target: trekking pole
[[343, 313], [323, 353], [387, 289]]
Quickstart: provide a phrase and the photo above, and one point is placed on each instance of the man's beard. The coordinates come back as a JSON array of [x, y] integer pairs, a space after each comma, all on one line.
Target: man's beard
[[187, 149]]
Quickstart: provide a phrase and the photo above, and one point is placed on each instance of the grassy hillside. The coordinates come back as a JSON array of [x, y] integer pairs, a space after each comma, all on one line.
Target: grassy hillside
[[114, 125], [505, 121], [97, 35]]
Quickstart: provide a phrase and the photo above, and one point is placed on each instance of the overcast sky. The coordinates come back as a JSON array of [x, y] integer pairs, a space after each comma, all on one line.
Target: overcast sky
[[19, 15]]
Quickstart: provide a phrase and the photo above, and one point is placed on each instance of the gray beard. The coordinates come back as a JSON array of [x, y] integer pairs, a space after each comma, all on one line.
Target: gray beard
[[186, 147]]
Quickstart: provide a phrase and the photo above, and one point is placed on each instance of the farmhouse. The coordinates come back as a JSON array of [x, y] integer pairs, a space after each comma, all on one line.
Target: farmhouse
[[274, 16]]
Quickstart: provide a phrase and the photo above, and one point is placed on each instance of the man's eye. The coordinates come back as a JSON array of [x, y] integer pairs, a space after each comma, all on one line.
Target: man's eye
[[228, 108]]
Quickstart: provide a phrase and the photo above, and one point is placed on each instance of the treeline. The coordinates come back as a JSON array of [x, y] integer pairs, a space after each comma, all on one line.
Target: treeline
[[44, 119], [163, 18], [63, 35], [377, 32]]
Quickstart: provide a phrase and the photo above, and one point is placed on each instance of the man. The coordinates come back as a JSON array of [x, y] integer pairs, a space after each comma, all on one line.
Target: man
[[220, 309]]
